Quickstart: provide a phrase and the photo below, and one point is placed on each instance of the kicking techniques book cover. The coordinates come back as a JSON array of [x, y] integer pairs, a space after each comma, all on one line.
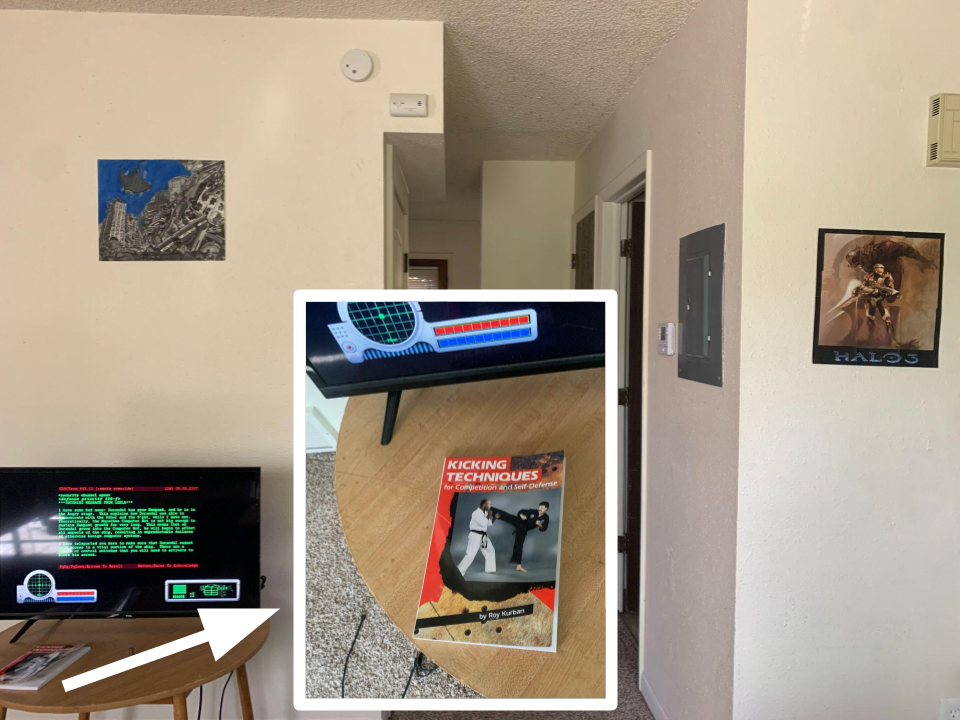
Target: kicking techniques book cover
[[492, 575]]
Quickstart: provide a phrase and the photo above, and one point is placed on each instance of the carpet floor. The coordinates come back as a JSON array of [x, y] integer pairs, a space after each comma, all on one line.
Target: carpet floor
[[336, 597], [383, 657]]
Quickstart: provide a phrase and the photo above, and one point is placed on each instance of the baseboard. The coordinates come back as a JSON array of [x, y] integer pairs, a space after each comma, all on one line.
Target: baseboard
[[651, 697], [319, 433]]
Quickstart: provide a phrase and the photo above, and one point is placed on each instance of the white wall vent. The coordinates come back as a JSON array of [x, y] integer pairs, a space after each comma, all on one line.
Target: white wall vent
[[943, 135]]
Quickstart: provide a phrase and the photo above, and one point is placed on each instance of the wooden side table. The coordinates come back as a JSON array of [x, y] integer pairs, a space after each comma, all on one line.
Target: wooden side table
[[387, 498], [166, 681]]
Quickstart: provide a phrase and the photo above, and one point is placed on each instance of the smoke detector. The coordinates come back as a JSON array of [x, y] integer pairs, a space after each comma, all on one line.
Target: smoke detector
[[943, 135], [356, 65]]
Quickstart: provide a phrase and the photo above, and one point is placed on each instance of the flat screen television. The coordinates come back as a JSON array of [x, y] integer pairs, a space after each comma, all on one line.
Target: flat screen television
[[354, 348], [128, 542]]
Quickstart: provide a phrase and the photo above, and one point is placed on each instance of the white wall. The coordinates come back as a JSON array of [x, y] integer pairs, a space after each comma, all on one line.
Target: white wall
[[188, 363], [525, 224], [847, 577], [688, 111], [456, 241]]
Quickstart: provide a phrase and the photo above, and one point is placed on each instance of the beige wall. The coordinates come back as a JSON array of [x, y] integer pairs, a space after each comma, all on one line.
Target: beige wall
[[847, 587], [525, 224], [458, 242], [188, 363], [688, 111]]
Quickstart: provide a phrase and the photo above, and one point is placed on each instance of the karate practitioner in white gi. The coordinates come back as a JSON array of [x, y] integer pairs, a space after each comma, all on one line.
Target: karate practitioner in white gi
[[480, 522]]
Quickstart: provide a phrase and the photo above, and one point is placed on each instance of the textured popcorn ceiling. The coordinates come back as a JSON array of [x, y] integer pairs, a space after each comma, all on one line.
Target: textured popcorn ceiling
[[525, 79], [528, 79]]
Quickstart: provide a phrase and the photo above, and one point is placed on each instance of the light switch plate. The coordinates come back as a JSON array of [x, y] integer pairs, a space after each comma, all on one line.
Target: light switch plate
[[408, 105]]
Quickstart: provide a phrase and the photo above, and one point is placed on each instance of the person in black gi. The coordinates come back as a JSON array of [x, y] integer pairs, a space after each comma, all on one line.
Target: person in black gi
[[523, 522]]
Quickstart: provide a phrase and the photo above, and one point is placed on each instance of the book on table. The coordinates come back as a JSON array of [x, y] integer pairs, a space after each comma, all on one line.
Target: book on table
[[492, 575], [36, 667]]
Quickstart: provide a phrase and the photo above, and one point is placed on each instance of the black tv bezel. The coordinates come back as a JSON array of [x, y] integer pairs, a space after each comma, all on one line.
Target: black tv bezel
[[450, 377], [414, 382], [186, 612]]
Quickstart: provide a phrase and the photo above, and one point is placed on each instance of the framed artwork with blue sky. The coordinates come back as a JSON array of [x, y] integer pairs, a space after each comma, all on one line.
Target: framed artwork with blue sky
[[161, 210]]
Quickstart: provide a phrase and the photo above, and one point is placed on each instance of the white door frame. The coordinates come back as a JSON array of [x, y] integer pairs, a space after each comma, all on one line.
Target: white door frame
[[401, 243], [610, 272], [394, 187]]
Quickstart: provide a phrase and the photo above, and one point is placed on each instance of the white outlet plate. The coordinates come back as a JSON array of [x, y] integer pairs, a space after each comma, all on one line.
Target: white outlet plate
[[408, 105], [950, 709]]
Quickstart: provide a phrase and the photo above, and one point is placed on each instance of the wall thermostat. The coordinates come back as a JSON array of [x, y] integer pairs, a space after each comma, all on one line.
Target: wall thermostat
[[405, 105], [356, 65], [943, 133], [666, 339]]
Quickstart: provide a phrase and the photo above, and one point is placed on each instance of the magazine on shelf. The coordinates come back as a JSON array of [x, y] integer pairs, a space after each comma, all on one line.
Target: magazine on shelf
[[493, 566], [37, 667]]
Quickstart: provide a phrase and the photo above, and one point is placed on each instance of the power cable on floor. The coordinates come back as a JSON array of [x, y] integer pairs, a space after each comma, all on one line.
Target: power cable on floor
[[343, 681], [224, 692], [420, 671]]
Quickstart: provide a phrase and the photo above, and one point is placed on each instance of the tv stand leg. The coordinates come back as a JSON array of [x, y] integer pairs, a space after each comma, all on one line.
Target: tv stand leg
[[243, 689], [23, 628], [390, 418]]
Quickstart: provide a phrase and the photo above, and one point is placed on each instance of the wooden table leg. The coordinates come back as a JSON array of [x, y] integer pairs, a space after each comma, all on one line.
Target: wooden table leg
[[180, 707], [3, 713], [243, 688], [83, 716]]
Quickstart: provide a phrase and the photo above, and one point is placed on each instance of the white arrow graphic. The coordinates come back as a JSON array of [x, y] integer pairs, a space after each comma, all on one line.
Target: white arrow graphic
[[222, 628]]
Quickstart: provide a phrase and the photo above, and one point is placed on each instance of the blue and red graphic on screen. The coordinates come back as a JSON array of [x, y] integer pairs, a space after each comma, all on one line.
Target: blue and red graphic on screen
[[377, 330]]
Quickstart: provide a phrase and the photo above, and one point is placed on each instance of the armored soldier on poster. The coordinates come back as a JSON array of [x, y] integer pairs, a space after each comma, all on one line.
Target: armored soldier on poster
[[875, 291]]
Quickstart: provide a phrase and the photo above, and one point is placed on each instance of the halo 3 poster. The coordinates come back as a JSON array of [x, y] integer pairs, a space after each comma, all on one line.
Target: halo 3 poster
[[878, 298]]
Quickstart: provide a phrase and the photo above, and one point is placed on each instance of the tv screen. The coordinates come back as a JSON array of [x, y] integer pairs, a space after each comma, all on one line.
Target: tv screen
[[366, 347], [128, 541]]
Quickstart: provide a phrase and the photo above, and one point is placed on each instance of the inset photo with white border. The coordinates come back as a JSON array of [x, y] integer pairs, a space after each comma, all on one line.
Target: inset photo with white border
[[455, 500]]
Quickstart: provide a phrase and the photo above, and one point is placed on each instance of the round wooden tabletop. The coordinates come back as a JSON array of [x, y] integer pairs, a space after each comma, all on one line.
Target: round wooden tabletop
[[114, 639], [387, 498]]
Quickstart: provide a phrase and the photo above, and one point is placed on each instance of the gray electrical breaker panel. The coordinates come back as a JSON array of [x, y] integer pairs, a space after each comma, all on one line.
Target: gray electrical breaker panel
[[700, 326]]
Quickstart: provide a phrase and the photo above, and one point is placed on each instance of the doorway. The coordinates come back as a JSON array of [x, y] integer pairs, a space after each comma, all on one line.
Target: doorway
[[622, 217], [634, 347], [611, 232], [584, 251], [428, 274]]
